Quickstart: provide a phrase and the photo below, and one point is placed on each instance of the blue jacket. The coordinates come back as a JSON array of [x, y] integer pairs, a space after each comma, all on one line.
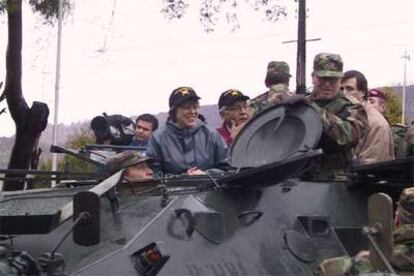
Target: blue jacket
[[141, 145], [176, 149]]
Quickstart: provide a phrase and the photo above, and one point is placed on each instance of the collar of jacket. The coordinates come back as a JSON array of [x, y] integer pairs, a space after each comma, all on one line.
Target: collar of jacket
[[183, 132]]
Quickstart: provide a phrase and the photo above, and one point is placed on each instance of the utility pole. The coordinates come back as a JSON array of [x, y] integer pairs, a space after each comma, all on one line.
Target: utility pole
[[406, 58], [301, 51], [57, 87], [301, 48]]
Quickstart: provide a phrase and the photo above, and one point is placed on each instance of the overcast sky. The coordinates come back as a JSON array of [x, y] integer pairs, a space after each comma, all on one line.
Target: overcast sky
[[129, 63]]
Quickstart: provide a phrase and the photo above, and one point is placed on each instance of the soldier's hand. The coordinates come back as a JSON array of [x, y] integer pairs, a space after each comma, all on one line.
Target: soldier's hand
[[295, 99], [235, 129]]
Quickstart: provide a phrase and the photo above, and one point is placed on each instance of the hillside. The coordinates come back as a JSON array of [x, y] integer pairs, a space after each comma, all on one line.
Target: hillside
[[6, 143]]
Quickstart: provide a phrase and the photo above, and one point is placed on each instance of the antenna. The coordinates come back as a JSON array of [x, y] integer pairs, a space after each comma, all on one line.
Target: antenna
[[406, 58], [57, 87]]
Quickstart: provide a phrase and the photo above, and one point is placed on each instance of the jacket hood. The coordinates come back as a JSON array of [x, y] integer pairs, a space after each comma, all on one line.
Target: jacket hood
[[183, 132]]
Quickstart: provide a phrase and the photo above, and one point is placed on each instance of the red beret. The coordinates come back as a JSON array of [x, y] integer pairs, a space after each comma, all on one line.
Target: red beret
[[377, 93]]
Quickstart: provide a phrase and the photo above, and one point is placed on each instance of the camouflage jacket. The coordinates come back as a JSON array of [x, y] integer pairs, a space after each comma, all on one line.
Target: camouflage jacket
[[344, 124], [274, 96], [409, 142], [402, 259], [403, 256], [399, 132]]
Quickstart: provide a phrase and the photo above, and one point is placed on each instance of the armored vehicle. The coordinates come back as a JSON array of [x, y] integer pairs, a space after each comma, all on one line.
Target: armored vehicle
[[260, 218]]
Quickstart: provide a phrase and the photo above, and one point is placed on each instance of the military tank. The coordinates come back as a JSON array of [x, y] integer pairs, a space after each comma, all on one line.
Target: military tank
[[260, 218]]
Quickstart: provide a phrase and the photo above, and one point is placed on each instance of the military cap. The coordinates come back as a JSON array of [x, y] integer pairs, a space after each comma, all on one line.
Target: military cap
[[405, 207], [230, 96], [328, 65], [180, 95], [124, 160], [278, 67], [377, 93]]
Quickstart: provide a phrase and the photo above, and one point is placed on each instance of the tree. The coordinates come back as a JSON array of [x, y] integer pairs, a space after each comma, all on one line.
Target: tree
[[30, 122], [393, 110], [78, 140]]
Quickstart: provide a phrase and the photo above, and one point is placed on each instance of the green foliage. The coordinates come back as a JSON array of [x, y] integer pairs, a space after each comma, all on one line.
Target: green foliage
[[393, 110], [76, 141], [2, 6], [47, 8]]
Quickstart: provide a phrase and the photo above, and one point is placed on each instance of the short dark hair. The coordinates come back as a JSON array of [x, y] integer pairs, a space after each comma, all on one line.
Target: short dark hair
[[361, 81], [148, 118], [273, 79]]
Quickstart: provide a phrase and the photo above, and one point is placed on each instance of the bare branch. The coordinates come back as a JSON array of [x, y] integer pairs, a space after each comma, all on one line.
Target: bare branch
[[272, 10], [174, 9]]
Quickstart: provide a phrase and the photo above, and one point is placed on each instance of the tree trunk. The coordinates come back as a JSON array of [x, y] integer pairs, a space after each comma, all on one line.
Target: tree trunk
[[30, 122]]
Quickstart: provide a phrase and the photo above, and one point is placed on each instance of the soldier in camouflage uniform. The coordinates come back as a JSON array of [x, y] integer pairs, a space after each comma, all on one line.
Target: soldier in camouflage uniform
[[136, 165], [277, 80], [402, 258], [399, 133], [405, 138], [409, 140], [344, 122]]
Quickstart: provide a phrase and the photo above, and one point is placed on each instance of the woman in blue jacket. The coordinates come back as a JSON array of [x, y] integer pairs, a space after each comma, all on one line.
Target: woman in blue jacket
[[186, 144]]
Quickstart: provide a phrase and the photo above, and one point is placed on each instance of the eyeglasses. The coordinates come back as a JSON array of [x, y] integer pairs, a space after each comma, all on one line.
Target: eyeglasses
[[237, 107]]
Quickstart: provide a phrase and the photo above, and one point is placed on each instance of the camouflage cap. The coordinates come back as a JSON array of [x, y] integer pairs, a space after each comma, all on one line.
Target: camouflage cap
[[278, 67], [405, 207], [124, 160], [328, 65]]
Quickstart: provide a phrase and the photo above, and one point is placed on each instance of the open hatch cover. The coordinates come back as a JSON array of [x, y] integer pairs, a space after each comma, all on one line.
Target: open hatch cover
[[275, 134], [274, 145]]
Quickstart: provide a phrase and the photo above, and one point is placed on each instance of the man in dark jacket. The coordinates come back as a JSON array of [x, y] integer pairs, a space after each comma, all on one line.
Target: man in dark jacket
[[185, 144], [145, 125]]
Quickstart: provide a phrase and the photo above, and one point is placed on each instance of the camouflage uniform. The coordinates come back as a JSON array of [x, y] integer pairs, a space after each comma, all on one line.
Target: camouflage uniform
[[402, 259], [344, 124], [277, 92], [398, 133], [409, 142]]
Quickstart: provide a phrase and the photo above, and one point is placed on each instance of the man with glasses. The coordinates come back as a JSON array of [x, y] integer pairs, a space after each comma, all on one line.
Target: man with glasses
[[344, 122], [277, 80], [377, 145], [235, 113]]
